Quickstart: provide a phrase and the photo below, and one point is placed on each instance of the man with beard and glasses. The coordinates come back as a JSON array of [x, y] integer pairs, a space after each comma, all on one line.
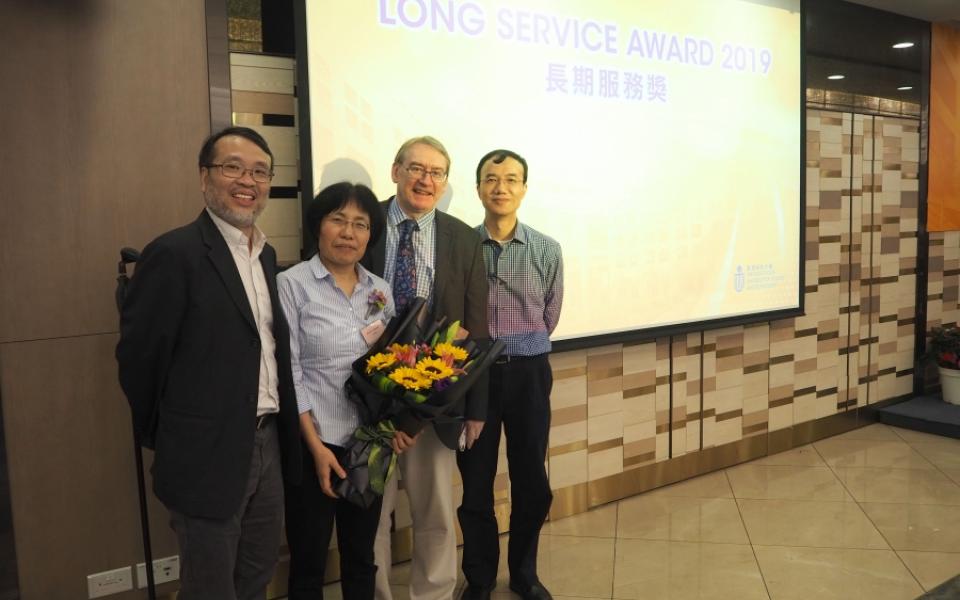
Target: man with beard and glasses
[[204, 357]]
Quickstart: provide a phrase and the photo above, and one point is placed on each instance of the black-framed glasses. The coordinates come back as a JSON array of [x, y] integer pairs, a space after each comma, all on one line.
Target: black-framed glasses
[[417, 171], [236, 171]]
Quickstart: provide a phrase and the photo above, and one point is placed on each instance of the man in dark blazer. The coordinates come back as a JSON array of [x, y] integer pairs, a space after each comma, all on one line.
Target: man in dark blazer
[[430, 254], [204, 362]]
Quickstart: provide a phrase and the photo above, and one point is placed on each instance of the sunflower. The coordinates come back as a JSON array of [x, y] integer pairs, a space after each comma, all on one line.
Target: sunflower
[[445, 350], [380, 361], [410, 378], [434, 368]]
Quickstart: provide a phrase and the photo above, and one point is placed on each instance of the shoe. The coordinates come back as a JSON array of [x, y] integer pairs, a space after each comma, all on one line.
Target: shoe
[[475, 592], [532, 592]]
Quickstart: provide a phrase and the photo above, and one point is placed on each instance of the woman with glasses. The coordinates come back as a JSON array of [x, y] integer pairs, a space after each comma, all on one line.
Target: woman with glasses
[[335, 309]]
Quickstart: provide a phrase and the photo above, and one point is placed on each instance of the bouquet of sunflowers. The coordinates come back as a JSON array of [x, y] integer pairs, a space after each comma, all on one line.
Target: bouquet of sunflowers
[[408, 379]]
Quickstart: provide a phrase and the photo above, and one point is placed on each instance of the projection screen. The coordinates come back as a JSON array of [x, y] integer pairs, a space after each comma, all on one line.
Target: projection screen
[[663, 138]]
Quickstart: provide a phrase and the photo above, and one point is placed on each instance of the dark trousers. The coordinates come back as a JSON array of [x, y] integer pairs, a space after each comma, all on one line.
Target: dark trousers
[[520, 402], [234, 558], [310, 518]]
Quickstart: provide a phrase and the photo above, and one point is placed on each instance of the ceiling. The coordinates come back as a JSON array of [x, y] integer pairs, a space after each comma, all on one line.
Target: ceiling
[[935, 11], [849, 39]]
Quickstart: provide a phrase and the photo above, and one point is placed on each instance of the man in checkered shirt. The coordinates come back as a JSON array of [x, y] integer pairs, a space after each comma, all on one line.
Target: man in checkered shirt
[[525, 275]]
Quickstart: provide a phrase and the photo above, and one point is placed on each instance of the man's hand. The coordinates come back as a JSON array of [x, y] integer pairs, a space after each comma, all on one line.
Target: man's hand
[[401, 442], [472, 430], [326, 462]]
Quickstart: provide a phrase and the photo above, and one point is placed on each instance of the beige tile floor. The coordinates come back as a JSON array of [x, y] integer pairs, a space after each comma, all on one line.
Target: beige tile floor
[[872, 514]]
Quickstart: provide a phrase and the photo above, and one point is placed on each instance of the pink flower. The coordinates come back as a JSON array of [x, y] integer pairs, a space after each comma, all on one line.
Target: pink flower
[[405, 353], [375, 301]]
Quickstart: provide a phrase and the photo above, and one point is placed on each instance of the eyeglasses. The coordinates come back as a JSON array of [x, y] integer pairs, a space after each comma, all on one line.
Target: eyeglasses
[[509, 181], [358, 226], [236, 171], [417, 171]]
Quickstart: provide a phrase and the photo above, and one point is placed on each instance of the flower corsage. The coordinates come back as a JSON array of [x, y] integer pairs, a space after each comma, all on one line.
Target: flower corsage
[[375, 302]]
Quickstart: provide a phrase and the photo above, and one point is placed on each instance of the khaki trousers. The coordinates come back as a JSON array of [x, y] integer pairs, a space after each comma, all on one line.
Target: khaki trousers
[[427, 471]]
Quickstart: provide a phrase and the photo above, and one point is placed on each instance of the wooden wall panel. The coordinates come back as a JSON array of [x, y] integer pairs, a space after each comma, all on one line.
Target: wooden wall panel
[[105, 107], [71, 463], [943, 205]]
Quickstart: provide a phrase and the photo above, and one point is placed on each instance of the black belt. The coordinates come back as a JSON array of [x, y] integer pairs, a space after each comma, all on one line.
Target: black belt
[[505, 359], [264, 420]]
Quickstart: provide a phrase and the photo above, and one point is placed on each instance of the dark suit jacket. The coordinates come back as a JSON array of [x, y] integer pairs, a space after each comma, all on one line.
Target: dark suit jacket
[[189, 358], [459, 293]]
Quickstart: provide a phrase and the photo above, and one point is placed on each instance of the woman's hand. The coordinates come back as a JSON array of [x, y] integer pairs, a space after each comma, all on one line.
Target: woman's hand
[[325, 462], [323, 459]]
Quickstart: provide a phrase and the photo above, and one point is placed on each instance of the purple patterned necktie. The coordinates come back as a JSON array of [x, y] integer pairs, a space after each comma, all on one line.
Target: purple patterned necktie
[[405, 272]]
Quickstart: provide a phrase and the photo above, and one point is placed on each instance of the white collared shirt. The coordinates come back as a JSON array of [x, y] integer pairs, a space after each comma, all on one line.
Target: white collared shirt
[[258, 295]]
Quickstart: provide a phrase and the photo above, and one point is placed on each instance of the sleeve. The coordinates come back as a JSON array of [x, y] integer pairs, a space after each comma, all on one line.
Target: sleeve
[[553, 300], [291, 310], [476, 297], [150, 318]]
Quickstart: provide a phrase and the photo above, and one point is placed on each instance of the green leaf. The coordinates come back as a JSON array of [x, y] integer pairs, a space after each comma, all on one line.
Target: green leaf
[[451, 332]]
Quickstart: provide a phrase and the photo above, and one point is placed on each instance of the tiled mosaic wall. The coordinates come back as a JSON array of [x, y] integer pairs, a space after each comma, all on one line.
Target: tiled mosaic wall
[[263, 98], [625, 408], [943, 287], [626, 412]]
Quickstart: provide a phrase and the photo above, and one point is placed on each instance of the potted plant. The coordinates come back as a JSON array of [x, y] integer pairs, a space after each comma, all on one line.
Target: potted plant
[[945, 350]]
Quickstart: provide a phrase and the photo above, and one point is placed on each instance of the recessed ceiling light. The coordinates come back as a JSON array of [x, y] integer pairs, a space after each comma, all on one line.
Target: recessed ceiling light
[[835, 76], [902, 45], [904, 88]]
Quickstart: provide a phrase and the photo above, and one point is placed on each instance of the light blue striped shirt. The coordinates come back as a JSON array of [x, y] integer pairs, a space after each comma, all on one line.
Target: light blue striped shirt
[[424, 248], [325, 339]]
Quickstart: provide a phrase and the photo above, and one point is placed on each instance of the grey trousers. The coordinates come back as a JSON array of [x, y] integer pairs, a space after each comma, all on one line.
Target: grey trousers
[[234, 558]]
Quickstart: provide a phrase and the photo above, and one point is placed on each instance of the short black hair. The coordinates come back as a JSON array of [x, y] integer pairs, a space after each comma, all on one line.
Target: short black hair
[[498, 156], [336, 196], [206, 151]]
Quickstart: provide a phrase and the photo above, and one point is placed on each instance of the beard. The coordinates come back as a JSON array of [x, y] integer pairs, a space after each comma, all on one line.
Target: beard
[[237, 218]]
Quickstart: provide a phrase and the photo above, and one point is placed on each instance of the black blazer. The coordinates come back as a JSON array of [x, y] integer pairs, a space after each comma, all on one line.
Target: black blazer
[[189, 358], [459, 293]]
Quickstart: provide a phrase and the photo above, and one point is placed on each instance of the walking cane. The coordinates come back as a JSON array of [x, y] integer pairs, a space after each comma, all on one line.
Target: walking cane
[[128, 256]]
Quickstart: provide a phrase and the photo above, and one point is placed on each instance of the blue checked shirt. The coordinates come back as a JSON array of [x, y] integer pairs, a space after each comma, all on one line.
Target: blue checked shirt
[[325, 339], [526, 289], [424, 249]]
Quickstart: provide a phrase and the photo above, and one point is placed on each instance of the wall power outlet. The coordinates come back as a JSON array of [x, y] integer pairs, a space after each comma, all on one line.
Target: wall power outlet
[[109, 582], [164, 570]]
